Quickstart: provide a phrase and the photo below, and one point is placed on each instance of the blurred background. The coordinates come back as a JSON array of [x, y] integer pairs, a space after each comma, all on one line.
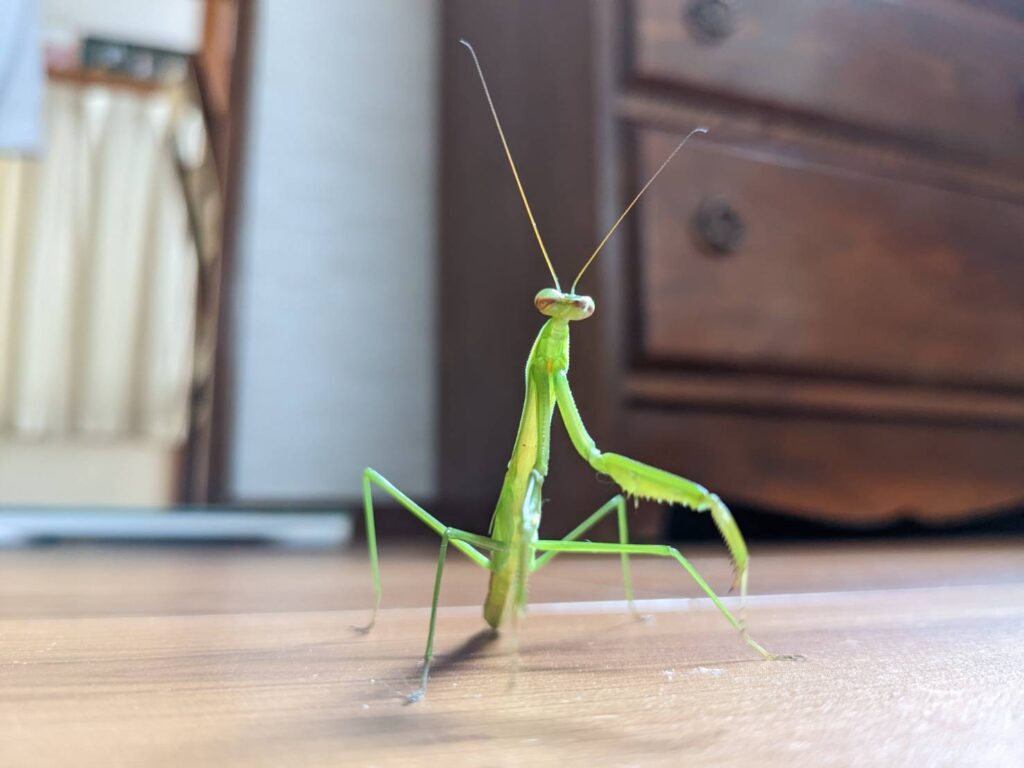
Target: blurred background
[[249, 247]]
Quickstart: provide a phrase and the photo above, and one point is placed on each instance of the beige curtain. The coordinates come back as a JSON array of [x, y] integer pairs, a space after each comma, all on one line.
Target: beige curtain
[[98, 270]]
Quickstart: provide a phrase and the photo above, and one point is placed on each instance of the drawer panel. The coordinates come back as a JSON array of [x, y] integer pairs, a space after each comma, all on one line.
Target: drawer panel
[[844, 471], [835, 272], [943, 73]]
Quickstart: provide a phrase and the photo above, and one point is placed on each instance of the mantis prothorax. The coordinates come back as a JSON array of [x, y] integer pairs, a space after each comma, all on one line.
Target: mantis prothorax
[[513, 546]]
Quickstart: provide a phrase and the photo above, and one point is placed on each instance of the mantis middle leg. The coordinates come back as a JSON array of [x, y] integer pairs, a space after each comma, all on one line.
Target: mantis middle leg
[[618, 504], [606, 548]]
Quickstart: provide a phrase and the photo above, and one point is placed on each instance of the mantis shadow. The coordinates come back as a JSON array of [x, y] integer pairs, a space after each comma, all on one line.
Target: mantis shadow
[[470, 647]]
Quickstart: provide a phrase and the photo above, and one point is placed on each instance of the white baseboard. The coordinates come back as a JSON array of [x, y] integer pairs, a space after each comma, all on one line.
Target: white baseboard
[[20, 526]]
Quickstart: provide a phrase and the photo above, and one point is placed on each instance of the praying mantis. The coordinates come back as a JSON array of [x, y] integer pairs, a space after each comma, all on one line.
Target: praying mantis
[[513, 546]]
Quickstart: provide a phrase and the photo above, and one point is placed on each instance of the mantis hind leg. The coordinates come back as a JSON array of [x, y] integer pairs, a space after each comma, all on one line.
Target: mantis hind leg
[[602, 548], [464, 544], [616, 504]]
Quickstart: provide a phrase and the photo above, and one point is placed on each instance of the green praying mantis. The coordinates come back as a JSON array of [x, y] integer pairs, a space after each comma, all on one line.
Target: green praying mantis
[[513, 546]]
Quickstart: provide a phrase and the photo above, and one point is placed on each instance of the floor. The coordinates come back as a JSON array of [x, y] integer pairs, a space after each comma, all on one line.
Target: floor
[[232, 657]]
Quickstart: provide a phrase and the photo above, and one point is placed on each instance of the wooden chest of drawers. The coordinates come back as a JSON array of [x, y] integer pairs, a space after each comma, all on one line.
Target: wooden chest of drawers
[[818, 308]]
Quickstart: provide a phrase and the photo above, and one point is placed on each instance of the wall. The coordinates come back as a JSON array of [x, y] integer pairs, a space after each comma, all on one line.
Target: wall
[[334, 311], [173, 24]]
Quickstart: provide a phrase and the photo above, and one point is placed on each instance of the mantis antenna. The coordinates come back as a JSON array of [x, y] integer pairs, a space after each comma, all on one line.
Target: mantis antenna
[[508, 154], [630, 206]]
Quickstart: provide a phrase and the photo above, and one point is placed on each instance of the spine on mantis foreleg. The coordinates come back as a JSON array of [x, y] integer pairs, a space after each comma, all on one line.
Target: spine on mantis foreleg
[[730, 532], [646, 482]]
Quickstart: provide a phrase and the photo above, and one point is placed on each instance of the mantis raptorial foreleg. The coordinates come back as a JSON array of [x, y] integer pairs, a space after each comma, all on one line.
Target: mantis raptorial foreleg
[[643, 481], [618, 504], [657, 550], [464, 544]]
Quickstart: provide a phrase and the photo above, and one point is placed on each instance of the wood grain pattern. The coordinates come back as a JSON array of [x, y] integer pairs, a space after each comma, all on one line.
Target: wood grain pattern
[[847, 470], [786, 395], [940, 73], [839, 273], [207, 464], [211, 657]]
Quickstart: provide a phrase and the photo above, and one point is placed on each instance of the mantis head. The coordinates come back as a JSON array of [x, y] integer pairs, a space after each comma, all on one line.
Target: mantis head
[[563, 306]]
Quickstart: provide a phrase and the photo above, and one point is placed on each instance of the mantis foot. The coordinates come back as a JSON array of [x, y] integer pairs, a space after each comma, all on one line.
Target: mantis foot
[[365, 630], [641, 618], [417, 695], [420, 693], [768, 655]]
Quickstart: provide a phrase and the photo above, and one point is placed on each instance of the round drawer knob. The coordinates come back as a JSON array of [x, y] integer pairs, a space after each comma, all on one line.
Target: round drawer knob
[[719, 226], [710, 21]]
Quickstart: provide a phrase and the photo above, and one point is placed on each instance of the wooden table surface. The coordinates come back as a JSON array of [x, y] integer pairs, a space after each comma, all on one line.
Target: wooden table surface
[[225, 657]]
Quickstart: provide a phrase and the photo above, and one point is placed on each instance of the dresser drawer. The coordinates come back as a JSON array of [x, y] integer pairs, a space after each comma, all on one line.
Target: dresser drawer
[[847, 471], [825, 270], [947, 74]]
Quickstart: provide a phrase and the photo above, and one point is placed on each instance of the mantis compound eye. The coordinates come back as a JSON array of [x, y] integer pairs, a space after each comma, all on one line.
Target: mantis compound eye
[[546, 299], [584, 305]]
